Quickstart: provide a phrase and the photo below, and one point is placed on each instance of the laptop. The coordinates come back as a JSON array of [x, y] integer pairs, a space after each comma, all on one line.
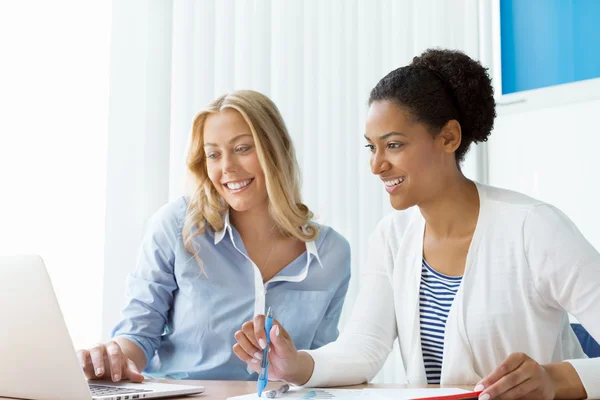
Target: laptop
[[37, 358]]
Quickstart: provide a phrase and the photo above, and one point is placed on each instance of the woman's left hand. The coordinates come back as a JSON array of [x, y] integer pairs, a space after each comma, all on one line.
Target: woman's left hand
[[517, 377]]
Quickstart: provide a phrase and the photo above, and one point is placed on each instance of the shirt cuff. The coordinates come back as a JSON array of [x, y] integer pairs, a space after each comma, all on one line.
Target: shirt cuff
[[319, 376], [144, 344], [588, 370]]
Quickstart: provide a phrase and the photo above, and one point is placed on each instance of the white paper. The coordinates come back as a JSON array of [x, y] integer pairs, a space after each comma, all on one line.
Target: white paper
[[358, 394], [309, 394]]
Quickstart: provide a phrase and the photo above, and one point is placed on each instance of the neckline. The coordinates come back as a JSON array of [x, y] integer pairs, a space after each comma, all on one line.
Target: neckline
[[477, 234], [438, 274]]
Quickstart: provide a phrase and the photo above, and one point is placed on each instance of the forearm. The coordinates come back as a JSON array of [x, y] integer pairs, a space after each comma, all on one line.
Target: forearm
[[133, 352], [353, 359], [567, 384]]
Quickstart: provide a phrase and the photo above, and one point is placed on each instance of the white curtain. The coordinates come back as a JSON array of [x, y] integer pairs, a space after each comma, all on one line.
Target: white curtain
[[317, 59]]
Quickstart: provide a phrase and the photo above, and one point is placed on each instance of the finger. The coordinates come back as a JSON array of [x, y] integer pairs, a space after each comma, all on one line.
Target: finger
[[242, 355], [507, 383], [248, 329], [281, 342], [259, 331], [132, 372], [115, 360], [511, 363], [247, 346], [86, 363], [82, 356], [97, 355], [519, 391]]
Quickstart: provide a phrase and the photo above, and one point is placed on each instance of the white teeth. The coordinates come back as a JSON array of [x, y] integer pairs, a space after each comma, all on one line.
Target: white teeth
[[238, 185], [393, 182]]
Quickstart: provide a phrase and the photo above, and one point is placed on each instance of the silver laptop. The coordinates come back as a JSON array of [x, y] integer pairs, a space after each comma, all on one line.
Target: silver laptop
[[37, 358]]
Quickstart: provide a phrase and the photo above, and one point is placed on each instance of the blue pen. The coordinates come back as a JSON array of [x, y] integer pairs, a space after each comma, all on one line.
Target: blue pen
[[263, 376]]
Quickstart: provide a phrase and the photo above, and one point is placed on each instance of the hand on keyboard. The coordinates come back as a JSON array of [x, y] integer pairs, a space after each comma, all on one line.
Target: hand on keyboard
[[107, 361]]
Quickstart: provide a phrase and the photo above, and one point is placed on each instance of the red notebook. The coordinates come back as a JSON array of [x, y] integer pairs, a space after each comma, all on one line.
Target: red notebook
[[462, 396]]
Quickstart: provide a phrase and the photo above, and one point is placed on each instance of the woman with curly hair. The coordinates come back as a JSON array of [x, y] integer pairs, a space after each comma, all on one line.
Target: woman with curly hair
[[475, 282], [242, 241]]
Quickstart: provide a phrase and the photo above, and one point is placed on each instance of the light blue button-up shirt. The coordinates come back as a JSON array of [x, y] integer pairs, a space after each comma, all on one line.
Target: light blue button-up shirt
[[184, 321]]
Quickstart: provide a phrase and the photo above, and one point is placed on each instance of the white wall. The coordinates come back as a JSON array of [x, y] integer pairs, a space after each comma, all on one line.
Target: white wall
[[552, 154]]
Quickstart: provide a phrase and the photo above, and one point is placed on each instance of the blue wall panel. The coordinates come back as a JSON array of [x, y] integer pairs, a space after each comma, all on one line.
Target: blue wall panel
[[548, 42]]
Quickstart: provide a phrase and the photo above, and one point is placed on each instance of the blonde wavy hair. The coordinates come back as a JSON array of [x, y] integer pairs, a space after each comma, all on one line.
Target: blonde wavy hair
[[277, 159]]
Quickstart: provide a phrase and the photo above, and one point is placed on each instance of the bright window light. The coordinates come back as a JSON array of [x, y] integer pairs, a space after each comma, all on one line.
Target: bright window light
[[54, 80]]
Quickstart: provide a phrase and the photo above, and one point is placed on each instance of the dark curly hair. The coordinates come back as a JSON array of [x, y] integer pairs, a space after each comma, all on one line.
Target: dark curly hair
[[442, 85]]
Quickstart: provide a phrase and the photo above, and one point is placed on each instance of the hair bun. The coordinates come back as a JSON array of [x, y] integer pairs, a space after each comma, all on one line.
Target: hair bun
[[469, 84]]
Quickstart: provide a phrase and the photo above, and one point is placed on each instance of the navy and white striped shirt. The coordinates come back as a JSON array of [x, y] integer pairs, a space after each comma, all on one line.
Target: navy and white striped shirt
[[435, 298]]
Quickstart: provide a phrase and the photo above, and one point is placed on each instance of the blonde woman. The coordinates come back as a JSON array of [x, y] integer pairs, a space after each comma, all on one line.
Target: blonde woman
[[241, 242]]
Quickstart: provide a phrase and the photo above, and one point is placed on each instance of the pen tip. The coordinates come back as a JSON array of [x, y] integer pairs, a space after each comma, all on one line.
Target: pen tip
[[269, 312], [261, 387]]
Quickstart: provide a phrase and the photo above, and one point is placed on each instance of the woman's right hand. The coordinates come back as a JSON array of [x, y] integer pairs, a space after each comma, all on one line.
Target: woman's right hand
[[107, 361], [285, 362]]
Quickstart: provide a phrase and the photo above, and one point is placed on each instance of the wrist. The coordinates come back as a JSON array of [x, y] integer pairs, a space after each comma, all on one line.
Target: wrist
[[303, 371], [566, 381]]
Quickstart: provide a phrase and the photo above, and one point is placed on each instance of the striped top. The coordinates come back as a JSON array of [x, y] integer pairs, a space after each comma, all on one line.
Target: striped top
[[435, 298]]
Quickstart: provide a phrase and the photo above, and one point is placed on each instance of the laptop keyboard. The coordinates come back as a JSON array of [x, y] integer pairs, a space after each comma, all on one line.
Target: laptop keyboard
[[100, 390]]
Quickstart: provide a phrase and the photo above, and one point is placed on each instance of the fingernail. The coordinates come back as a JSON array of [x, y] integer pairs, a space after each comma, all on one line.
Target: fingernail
[[116, 377], [262, 343], [99, 371], [479, 388], [484, 397], [255, 361], [258, 355], [276, 330]]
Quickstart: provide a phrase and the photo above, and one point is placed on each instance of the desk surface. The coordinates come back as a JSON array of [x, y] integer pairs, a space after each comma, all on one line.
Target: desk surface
[[220, 390]]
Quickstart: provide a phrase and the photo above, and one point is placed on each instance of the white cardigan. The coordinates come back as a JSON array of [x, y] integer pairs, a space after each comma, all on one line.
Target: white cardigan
[[527, 267]]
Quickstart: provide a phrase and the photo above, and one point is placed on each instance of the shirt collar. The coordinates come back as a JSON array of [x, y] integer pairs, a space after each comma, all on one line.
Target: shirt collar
[[226, 228], [311, 247]]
